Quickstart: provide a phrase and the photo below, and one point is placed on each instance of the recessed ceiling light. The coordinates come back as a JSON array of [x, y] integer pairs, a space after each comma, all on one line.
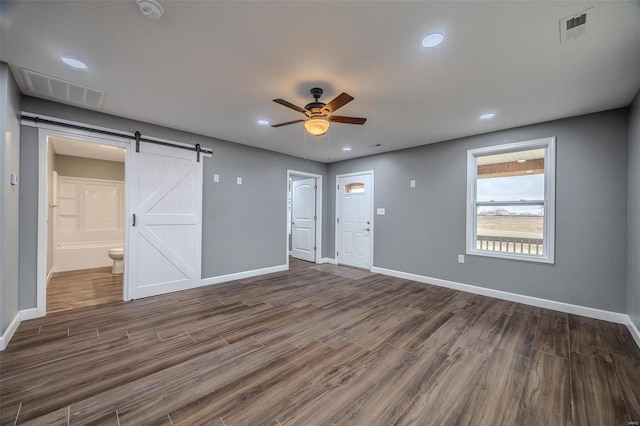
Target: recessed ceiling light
[[487, 116], [74, 63], [263, 122], [346, 148], [521, 161], [432, 40]]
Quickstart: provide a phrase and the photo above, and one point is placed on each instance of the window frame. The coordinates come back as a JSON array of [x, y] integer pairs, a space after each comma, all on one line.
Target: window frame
[[548, 235]]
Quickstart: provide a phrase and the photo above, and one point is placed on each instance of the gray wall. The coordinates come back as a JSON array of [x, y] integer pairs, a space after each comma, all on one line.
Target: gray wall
[[9, 196], [67, 165], [423, 230], [28, 216], [633, 252], [243, 225]]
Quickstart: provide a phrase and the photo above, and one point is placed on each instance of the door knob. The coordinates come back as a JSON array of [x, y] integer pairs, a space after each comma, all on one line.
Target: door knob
[[367, 229]]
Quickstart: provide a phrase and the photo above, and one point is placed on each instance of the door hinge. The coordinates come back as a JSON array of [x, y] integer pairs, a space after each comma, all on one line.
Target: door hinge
[[315, 186], [315, 248], [315, 218], [338, 186], [338, 219], [134, 220], [337, 253]]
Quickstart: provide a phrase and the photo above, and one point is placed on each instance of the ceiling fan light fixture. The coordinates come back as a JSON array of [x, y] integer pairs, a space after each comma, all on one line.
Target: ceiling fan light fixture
[[316, 126]]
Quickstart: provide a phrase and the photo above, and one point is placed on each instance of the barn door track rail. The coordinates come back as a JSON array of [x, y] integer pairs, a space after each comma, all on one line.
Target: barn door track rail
[[197, 148]]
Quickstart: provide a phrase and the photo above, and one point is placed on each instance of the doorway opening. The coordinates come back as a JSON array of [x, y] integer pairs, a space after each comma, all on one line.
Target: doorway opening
[[83, 207], [304, 216]]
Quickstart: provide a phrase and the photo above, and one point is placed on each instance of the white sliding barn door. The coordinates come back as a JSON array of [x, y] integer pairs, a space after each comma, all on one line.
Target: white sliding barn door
[[303, 219], [164, 251]]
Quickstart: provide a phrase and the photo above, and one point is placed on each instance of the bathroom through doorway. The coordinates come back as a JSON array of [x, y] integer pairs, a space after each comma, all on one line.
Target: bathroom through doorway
[[86, 206]]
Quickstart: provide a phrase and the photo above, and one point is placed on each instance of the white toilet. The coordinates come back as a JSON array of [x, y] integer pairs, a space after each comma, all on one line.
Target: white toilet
[[117, 254]]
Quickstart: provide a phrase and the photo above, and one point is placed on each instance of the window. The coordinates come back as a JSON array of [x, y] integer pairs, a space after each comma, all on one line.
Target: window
[[511, 201], [354, 188]]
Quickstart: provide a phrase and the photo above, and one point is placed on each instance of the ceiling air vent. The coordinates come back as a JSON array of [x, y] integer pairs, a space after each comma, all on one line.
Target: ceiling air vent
[[62, 90], [573, 26]]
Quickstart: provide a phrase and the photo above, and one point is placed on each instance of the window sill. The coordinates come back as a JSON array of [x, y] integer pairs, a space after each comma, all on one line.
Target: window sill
[[513, 256]]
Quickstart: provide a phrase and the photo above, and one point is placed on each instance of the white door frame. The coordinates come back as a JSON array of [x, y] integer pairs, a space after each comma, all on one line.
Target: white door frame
[[318, 255], [44, 132], [337, 213]]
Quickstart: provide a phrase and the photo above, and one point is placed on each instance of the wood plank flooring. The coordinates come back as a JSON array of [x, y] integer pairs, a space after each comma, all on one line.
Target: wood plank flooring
[[319, 346], [86, 287]]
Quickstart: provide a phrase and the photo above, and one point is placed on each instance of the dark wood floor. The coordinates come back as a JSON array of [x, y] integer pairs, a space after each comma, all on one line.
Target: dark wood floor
[[312, 347], [86, 287]]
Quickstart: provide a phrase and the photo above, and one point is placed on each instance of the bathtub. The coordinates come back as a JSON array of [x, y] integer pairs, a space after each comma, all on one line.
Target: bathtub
[[88, 222], [75, 256]]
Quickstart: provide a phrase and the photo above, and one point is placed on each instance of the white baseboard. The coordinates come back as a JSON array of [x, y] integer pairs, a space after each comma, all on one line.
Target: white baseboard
[[27, 314], [244, 274], [633, 330], [23, 315], [600, 314], [8, 333], [328, 260]]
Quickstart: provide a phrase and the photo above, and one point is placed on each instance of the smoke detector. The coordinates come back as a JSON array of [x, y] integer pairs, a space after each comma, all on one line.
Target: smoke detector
[[150, 8]]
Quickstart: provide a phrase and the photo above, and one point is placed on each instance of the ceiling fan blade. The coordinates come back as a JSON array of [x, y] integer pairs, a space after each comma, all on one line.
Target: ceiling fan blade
[[347, 120], [339, 101], [288, 122], [290, 105]]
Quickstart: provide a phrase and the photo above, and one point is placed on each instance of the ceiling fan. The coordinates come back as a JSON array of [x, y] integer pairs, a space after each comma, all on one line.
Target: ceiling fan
[[319, 115]]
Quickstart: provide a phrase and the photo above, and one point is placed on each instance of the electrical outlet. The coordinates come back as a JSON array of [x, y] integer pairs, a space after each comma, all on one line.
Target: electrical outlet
[[412, 183], [216, 178], [239, 180], [461, 258]]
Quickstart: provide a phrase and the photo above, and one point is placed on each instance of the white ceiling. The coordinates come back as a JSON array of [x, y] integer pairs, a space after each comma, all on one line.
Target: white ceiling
[[214, 67], [79, 148]]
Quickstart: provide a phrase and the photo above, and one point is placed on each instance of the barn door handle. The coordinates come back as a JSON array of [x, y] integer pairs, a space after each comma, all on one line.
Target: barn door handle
[[134, 219]]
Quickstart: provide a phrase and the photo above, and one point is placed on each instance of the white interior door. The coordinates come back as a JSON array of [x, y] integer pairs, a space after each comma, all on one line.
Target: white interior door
[[303, 219], [353, 208], [164, 251]]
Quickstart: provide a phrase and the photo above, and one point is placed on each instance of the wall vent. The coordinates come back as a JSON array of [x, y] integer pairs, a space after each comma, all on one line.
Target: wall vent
[[573, 26], [62, 90]]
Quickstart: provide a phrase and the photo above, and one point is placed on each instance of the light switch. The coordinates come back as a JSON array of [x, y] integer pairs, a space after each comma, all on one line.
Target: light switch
[[380, 211], [216, 178], [239, 180], [461, 258], [412, 184], [14, 179]]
